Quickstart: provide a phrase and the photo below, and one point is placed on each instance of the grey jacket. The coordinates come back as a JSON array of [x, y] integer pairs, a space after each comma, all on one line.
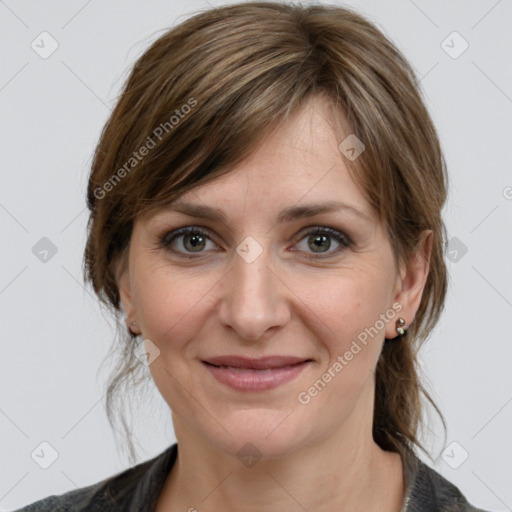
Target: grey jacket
[[138, 489]]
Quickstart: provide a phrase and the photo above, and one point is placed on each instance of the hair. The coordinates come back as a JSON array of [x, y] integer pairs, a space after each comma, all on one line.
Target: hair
[[218, 84]]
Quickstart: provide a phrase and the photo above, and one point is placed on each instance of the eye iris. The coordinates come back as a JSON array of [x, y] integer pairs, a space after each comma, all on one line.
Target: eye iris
[[193, 238], [317, 241]]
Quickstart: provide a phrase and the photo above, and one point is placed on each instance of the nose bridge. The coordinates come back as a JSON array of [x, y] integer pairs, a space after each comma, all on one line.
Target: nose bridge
[[252, 302]]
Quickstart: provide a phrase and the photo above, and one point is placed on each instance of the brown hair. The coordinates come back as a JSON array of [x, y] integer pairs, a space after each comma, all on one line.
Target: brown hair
[[207, 93]]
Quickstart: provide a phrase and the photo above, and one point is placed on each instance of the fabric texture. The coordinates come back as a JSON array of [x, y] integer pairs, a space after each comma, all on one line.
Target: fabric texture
[[138, 488]]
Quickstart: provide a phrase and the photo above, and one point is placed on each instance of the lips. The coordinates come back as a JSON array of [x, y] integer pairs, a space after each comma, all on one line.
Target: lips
[[263, 363], [262, 374]]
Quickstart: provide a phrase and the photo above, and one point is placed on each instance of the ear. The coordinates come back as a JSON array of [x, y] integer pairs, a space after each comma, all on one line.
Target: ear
[[125, 291], [411, 282]]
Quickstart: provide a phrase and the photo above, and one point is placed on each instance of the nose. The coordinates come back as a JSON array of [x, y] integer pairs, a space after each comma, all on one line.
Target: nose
[[254, 301]]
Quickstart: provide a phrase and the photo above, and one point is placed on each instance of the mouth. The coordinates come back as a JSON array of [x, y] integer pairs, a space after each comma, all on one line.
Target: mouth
[[245, 374]]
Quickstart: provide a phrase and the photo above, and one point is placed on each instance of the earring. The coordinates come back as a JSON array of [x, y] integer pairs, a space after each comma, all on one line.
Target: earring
[[400, 327], [132, 324]]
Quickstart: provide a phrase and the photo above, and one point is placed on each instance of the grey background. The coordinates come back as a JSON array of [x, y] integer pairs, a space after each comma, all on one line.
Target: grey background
[[54, 335]]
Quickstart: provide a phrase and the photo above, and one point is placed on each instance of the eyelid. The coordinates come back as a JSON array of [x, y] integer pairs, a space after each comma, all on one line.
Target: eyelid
[[172, 234]]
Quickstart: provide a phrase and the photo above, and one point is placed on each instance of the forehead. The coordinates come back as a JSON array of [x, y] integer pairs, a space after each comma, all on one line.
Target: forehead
[[299, 163]]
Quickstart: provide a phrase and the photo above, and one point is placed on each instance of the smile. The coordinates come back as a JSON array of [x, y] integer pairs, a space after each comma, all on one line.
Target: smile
[[262, 374]]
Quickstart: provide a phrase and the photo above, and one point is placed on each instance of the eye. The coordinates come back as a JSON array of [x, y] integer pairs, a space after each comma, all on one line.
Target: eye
[[193, 239], [318, 241]]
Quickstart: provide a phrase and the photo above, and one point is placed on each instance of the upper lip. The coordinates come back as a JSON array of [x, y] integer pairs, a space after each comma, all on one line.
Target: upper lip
[[262, 363]]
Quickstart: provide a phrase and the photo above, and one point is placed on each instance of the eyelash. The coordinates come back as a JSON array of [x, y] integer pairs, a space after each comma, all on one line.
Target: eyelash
[[169, 237]]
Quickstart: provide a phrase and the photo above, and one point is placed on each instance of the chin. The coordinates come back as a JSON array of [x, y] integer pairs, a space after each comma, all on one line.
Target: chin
[[260, 433]]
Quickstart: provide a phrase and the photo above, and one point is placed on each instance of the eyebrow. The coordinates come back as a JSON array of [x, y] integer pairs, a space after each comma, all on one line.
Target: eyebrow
[[287, 215]]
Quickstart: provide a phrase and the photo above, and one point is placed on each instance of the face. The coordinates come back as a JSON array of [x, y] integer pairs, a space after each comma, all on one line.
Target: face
[[269, 319]]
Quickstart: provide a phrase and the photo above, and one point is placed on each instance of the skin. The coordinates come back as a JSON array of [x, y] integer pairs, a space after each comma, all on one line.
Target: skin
[[290, 300]]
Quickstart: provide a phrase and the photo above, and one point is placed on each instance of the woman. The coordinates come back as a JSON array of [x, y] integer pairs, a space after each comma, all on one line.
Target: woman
[[266, 216]]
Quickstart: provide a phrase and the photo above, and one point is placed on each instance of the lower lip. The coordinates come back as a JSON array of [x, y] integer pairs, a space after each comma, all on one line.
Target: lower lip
[[256, 380]]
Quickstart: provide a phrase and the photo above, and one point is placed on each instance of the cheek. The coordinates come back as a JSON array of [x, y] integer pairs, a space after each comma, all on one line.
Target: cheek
[[171, 306], [349, 307]]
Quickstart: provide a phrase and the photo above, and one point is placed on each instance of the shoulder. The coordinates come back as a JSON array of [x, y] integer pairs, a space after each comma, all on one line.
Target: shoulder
[[128, 490], [429, 491]]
